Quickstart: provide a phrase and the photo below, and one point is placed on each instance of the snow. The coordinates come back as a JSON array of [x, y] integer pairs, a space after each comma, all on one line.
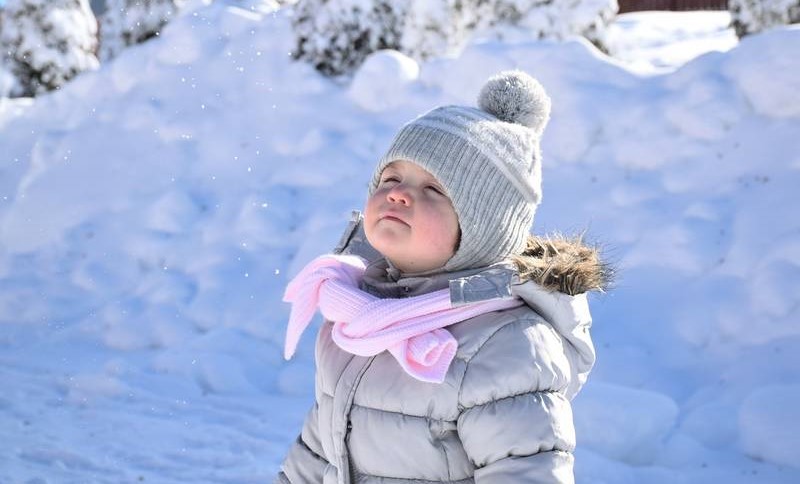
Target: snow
[[623, 423], [752, 69], [769, 422], [649, 42], [383, 75], [152, 211]]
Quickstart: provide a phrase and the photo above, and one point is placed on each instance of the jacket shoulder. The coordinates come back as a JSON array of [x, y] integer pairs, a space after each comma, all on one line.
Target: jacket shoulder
[[472, 334], [509, 353]]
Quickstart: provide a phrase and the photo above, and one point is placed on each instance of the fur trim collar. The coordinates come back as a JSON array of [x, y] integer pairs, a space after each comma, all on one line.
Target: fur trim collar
[[562, 264]]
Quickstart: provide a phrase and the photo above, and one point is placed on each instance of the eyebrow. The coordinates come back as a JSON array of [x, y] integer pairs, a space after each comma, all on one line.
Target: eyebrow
[[388, 172], [433, 181]]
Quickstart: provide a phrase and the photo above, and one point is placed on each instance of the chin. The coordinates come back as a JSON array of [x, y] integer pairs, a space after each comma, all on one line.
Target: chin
[[384, 241], [396, 260]]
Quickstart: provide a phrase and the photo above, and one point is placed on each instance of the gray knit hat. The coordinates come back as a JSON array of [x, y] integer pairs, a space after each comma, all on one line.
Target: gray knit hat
[[488, 160]]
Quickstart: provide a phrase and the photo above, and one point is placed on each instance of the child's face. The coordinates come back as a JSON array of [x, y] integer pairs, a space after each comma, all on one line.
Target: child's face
[[410, 220]]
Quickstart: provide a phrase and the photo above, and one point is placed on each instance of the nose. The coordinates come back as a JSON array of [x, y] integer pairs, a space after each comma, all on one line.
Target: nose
[[399, 194]]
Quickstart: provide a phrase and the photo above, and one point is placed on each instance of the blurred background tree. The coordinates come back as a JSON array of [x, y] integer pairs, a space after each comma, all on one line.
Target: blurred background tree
[[753, 16], [337, 35], [129, 22], [45, 43]]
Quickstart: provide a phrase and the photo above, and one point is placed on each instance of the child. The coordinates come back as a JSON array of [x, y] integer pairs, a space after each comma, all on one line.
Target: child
[[453, 341]]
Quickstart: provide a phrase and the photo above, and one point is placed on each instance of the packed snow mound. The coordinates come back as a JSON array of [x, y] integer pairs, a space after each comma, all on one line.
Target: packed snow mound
[[381, 81], [753, 66], [624, 423], [769, 420], [152, 211]]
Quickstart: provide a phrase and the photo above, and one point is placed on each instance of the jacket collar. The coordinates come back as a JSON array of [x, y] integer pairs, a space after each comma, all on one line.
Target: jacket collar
[[568, 315], [382, 279]]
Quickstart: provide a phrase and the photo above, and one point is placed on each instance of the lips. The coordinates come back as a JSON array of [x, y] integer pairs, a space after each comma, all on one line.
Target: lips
[[394, 218]]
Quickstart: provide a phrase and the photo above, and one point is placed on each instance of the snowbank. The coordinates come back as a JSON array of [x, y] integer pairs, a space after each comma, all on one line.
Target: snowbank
[[151, 213]]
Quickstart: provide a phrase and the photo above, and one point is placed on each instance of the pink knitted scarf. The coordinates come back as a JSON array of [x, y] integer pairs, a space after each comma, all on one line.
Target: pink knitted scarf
[[365, 325]]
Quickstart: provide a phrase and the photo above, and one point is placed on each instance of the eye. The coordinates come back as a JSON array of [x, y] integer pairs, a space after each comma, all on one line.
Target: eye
[[435, 189], [390, 179]]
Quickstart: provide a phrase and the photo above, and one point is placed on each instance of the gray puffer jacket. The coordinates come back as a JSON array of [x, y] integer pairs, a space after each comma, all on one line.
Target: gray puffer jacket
[[503, 413]]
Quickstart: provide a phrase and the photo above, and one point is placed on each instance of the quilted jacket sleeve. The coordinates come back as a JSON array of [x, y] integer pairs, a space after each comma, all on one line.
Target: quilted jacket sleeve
[[305, 464], [516, 423]]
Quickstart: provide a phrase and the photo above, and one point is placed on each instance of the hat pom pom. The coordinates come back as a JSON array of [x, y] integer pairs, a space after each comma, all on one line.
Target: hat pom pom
[[516, 97]]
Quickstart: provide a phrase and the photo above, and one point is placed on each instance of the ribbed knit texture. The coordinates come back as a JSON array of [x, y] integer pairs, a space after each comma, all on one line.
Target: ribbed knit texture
[[410, 328], [488, 163]]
